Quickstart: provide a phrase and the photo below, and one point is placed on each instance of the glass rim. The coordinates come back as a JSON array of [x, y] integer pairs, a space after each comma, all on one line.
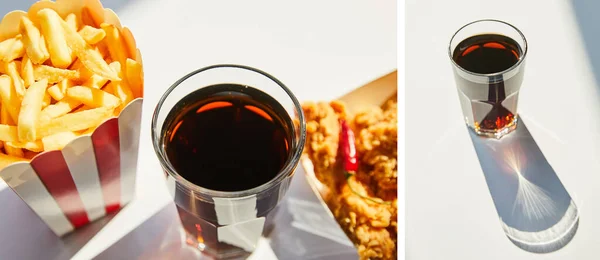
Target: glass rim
[[288, 168], [495, 74]]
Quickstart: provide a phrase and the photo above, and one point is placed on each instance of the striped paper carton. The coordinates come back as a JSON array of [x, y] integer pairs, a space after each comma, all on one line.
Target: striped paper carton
[[94, 174]]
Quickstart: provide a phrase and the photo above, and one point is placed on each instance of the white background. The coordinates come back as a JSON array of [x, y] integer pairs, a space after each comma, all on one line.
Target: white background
[[319, 49], [450, 213]]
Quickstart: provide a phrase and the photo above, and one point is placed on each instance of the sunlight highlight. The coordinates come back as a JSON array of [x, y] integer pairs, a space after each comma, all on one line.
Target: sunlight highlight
[[532, 201]]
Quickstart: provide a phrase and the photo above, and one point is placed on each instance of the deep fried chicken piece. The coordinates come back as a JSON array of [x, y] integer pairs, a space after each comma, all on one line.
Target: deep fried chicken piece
[[377, 141], [370, 225]]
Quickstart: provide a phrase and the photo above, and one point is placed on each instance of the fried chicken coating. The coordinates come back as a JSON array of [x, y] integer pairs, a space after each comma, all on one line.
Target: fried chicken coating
[[370, 225], [377, 143]]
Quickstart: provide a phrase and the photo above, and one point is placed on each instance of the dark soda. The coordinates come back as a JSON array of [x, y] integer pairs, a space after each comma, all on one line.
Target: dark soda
[[228, 137], [490, 54]]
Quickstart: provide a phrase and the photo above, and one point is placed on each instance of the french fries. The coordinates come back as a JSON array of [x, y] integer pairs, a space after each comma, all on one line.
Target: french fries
[[53, 75], [47, 100], [92, 35], [95, 81], [103, 50], [31, 106], [27, 71], [84, 73], [61, 76], [90, 58], [121, 88], [93, 97], [12, 69], [10, 102], [62, 107], [11, 49], [71, 20], [114, 42], [35, 146], [135, 77], [81, 108], [6, 119], [8, 133], [109, 89], [50, 21], [35, 45], [5, 47], [58, 141], [44, 48], [58, 91], [75, 121]]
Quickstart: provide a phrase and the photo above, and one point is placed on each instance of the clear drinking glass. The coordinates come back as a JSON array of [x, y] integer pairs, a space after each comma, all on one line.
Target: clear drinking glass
[[225, 224], [488, 79]]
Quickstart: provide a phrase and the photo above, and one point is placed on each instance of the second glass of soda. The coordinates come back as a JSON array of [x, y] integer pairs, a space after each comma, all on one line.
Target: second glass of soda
[[488, 58]]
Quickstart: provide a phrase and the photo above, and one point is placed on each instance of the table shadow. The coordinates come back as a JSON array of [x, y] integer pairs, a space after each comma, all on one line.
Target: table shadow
[[536, 212], [159, 237], [299, 228], [23, 235], [586, 15]]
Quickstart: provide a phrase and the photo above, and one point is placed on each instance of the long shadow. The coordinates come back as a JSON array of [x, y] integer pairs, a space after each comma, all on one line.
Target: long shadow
[[299, 228], [586, 13], [535, 210], [23, 235], [160, 237]]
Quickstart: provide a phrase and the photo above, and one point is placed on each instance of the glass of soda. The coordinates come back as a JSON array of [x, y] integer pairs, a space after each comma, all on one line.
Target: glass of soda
[[229, 138], [488, 58]]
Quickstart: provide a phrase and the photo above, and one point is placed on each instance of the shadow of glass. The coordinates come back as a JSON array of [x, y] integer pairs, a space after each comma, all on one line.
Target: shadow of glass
[[586, 14], [160, 237], [23, 235], [299, 228], [303, 228], [535, 210]]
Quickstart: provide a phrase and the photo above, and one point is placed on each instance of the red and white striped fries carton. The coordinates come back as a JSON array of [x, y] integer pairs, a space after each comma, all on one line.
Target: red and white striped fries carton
[[93, 175]]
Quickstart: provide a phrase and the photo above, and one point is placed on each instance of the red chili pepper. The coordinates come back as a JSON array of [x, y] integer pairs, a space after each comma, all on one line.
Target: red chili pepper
[[347, 147]]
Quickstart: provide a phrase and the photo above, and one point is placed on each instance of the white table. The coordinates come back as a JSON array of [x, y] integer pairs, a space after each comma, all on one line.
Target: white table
[[319, 49], [450, 212]]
